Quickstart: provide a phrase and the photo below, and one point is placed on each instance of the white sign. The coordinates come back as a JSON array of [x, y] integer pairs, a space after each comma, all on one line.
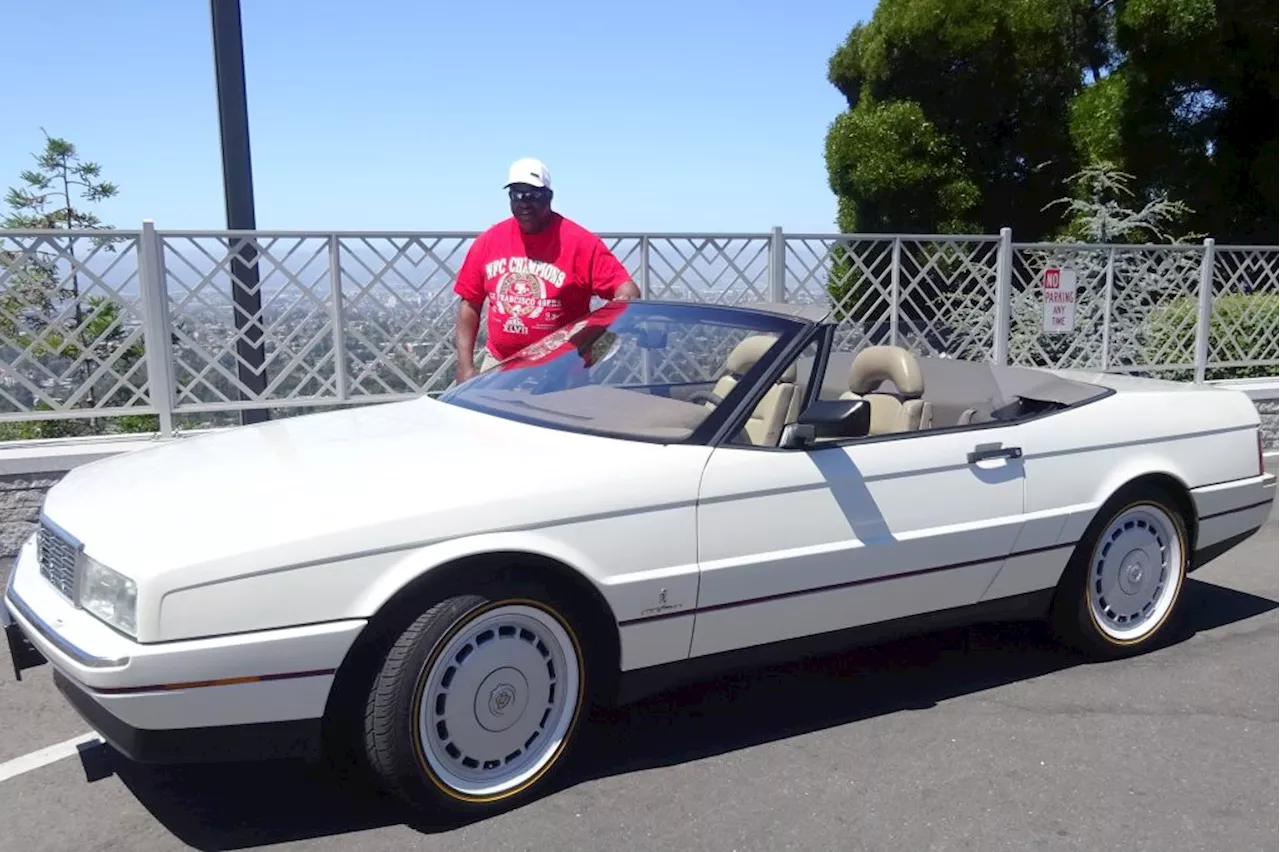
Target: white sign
[[1059, 291]]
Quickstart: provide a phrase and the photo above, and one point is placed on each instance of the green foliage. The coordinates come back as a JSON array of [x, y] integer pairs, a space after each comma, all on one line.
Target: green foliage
[[1174, 22], [45, 201], [1095, 119], [1238, 322], [909, 173]]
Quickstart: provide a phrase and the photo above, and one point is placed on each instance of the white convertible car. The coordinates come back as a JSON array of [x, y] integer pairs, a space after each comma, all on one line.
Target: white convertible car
[[660, 492]]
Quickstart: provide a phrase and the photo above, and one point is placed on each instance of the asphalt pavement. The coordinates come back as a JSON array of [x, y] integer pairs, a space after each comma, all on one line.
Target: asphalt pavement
[[990, 739]]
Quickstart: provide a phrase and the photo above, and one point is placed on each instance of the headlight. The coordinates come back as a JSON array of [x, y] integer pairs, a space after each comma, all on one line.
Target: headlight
[[110, 596]]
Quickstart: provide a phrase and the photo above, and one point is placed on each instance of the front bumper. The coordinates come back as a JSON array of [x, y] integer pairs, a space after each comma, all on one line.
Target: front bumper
[[299, 738], [237, 697]]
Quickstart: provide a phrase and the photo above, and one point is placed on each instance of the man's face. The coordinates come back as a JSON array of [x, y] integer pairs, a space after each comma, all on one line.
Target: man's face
[[530, 205]]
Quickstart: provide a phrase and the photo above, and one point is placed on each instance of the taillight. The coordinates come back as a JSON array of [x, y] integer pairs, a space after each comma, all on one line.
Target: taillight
[[1261, 469]]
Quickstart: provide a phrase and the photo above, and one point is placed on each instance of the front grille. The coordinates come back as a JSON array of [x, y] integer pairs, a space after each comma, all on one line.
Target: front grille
[[58, 558]]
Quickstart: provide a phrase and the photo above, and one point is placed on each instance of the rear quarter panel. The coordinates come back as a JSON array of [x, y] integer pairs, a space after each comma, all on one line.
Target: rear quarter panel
[[1077, 459]]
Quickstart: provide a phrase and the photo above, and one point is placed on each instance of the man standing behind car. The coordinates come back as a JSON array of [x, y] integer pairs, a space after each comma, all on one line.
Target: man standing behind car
[[538, 270]]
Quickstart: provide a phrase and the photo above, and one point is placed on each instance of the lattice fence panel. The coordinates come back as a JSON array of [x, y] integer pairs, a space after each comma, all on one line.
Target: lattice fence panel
[[725, 270], [1029, 345], [212, 358], [365, 317], [943, 304], [947, 305], [399, 312], [71, 327], [850, 275], [1141, 326], [1244, 325]]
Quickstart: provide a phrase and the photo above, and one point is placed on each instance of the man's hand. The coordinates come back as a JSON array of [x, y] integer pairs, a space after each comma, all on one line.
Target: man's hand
[[627, 292], [465, 371]]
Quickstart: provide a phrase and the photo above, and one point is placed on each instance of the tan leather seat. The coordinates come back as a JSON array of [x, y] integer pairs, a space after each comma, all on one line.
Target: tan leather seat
[[779, 404], [889, 413]]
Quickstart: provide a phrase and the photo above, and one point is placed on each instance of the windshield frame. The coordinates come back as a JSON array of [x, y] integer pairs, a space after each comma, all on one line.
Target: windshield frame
[[790, 330]]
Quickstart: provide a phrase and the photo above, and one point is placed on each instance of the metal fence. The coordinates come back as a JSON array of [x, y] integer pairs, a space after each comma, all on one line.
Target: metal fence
[[148, 329]]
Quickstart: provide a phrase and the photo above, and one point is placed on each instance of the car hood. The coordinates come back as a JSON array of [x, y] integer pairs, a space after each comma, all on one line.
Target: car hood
[[380, 476]]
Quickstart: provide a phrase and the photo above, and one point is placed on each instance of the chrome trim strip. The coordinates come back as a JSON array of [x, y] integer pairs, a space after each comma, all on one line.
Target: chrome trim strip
[[5, 618], [75, 543], [77, 654]]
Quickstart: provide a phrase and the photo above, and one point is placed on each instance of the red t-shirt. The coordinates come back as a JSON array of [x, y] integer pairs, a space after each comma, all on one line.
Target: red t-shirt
[[536, 283]]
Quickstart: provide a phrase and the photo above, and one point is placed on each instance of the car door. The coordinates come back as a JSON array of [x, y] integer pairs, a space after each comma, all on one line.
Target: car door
[[796, 542]]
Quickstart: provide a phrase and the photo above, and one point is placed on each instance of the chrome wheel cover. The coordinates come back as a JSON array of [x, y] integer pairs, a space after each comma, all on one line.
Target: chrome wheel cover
[[497, 701], [1135, 573]]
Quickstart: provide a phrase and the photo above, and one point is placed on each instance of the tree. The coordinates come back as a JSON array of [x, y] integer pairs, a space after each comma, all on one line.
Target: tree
[[1096, 213], [957, 113], [34, 310], [970, 115], [1200, 116], [46, 203]]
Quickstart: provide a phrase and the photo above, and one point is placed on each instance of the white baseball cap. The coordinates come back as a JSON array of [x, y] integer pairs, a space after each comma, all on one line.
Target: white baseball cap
[[530, 171]]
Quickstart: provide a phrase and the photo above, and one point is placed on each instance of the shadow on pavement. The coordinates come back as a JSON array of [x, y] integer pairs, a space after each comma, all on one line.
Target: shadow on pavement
[[238, 806]]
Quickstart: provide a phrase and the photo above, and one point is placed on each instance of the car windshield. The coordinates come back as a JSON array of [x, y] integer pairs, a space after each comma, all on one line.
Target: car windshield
[[644, 370]]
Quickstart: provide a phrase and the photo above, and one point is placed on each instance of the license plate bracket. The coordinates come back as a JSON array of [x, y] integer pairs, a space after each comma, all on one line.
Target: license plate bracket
[[22, 654]]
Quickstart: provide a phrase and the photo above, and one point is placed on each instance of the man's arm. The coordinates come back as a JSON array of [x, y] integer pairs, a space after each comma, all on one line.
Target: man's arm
[[610, 279], [468, 327], [627, 290]]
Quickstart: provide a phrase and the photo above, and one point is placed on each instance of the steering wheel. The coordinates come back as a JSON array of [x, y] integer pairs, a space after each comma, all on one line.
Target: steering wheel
[[705, 396]]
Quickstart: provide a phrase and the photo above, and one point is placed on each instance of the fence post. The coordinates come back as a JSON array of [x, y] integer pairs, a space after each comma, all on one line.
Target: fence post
[[1004, 296], [643, 283], [646, 355], [895, 289], [155, 325], [335, 316], [777, 266], [1206, 310], [1106, 308]]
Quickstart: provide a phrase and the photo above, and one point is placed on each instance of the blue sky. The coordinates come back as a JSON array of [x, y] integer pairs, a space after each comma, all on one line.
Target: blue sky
[[392, 114]]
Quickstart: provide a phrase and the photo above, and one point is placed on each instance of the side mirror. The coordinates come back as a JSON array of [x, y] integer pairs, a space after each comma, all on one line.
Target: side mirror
[[828, 418]]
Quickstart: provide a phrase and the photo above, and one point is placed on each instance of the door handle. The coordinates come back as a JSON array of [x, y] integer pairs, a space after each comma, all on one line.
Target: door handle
[[992, 451]]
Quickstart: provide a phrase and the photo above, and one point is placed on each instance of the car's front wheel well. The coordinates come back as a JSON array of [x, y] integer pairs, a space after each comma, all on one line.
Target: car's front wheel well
[[483, 572]]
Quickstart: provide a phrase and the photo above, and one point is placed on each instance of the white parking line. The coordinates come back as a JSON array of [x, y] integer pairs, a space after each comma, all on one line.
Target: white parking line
[[45, 756]]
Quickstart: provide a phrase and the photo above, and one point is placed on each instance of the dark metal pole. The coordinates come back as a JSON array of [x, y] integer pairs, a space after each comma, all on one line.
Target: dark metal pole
[[237, 182]]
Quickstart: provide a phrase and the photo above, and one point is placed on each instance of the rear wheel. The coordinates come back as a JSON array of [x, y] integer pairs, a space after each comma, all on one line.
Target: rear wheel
[[1121, 592], [477, 702]]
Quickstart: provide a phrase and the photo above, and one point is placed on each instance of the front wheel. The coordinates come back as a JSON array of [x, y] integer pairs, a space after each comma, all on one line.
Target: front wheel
[[1121, 591], [476, 703]]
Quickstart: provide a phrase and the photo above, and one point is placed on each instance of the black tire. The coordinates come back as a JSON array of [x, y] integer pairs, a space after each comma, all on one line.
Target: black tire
[[415, 763], [1112, 630]]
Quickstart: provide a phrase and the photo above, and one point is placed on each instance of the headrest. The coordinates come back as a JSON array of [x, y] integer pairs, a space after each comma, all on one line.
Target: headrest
[[745, 355], [876, 363]]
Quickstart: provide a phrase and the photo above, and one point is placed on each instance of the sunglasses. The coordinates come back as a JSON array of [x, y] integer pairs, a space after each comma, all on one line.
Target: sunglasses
[[537, 195]]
